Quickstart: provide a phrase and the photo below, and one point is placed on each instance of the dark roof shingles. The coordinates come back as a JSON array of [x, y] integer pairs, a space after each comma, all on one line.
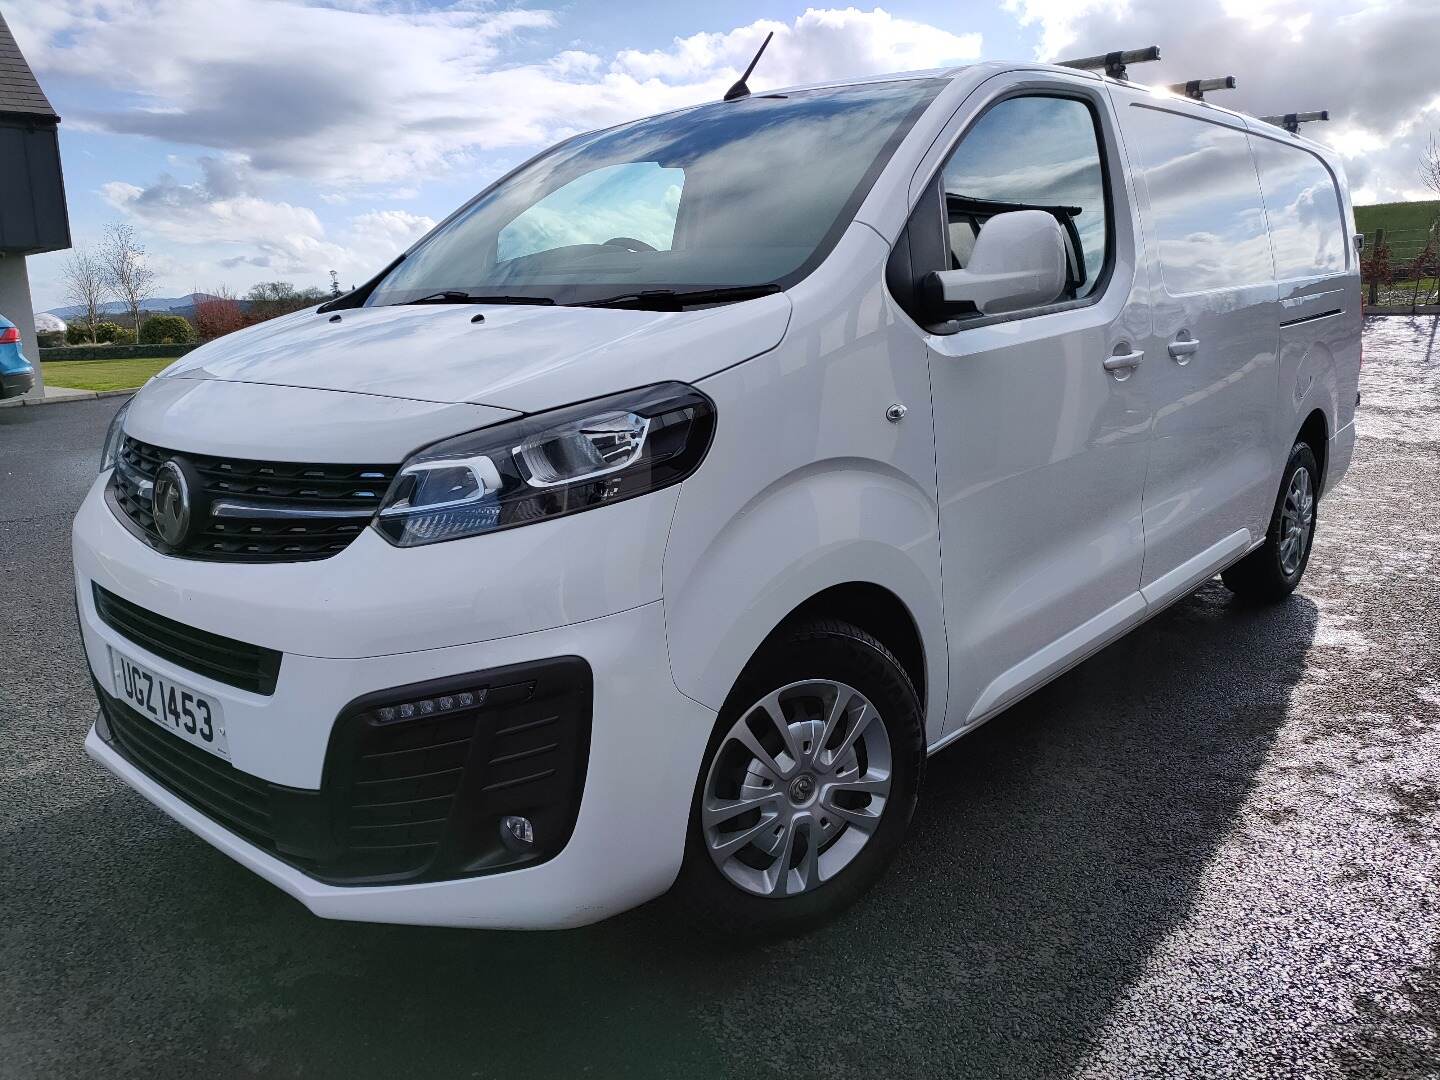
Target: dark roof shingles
[[19, 92]]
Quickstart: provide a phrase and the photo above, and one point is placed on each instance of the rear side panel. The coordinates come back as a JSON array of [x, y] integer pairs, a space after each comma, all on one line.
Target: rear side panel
[[1312, 223]]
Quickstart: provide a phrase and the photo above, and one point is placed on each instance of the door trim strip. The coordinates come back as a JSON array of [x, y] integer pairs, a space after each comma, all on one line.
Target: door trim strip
[[1312, 318]]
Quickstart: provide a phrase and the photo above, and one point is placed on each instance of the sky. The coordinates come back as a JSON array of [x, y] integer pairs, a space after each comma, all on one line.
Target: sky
[[259, 140]]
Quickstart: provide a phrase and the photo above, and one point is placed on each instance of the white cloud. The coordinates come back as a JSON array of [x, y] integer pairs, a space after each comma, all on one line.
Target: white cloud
[[370, 99], [234, 228], [375, 93], [1372, 64], [818, 45]]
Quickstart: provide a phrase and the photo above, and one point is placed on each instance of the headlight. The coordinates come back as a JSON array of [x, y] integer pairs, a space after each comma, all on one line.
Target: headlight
[[548, 465], [114, 434]]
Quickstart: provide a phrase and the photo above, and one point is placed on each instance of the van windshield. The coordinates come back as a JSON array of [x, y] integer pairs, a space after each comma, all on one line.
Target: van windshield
[[725, 201]]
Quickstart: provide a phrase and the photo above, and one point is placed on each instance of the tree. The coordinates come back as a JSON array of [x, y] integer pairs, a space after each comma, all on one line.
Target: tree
[[270, 299], [166, 330], [85, 285], [125, 270], [1430, 166], [218, 314]]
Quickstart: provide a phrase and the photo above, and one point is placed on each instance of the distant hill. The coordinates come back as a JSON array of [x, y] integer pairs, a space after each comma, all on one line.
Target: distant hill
[[178, 305], [1396, 216]]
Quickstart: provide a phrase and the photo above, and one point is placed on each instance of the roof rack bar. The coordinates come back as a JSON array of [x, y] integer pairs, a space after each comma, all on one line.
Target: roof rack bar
[[1291, 121], [1113, 63], [1196, 88]]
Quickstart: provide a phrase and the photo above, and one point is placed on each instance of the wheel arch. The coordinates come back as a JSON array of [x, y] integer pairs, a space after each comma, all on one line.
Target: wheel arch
[[874, 609], [1315, 433], [782, 559]]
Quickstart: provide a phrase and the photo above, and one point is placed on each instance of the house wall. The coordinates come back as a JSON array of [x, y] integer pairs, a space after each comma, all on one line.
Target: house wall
[[32, 191]]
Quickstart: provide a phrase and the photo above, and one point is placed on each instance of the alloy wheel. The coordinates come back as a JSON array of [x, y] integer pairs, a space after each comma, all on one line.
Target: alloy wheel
[[1296, 518], [797, 788]]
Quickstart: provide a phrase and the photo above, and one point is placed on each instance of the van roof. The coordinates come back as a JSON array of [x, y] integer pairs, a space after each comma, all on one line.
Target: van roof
[[1253, 123], [998, 66], [923, 73]]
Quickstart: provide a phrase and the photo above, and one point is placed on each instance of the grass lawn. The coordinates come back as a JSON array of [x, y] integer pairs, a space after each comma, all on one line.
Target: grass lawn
[[1396, 217], [101, 374]]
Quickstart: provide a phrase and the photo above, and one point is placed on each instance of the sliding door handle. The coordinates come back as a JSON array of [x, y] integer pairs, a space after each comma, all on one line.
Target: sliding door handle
[[1183, 349], [1126, 361]]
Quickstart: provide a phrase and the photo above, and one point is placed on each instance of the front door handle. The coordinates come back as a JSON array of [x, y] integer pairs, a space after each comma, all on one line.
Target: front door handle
[[1183, 349], [1124, 361]]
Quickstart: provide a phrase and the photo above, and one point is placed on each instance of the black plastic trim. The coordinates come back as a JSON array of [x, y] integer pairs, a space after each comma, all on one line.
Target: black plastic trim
[[227, 660], [522, 748], [1312, 318]]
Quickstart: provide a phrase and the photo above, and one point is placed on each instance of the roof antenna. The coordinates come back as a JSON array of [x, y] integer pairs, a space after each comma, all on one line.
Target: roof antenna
[[1196, 88], [1291, 121], [740, 90]]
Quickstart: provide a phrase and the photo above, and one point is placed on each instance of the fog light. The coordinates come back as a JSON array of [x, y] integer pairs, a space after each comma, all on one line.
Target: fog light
[[517, 833]]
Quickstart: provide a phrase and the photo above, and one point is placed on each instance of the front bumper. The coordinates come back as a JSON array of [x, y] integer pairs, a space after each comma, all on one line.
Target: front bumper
[[646, 739], [646, 745]]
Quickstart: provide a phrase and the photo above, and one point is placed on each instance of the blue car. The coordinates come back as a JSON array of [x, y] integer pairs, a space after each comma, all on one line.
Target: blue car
[[16, 374]]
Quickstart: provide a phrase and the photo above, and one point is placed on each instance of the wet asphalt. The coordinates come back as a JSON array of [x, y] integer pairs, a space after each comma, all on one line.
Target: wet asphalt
[[1210, 851]]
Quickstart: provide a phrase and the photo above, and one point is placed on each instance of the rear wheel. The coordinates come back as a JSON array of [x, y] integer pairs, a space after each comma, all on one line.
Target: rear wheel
[[808, 785], [1272, 571]]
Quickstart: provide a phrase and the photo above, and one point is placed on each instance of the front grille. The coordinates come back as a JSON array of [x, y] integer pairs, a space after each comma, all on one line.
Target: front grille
[[412, 799], [253, 511], [235, 663]]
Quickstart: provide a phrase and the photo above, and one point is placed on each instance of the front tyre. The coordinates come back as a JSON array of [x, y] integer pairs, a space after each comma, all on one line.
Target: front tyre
[[1272, 571], [808, 784]]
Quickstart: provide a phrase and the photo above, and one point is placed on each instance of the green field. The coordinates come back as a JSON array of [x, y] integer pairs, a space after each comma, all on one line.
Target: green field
[[101, 374], [1396, 217]]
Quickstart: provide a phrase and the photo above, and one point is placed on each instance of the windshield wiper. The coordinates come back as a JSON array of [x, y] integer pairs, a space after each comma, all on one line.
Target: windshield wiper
[[455, 296], [680, 299]]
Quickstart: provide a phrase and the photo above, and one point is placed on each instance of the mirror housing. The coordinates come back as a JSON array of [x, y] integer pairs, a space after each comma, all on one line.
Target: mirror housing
[[1018, 262]]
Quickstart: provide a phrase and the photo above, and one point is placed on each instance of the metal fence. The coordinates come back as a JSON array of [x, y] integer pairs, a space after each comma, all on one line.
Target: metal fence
[[1401, 269]]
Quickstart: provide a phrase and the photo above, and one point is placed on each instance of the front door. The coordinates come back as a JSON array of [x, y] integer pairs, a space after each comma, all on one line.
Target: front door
[[1040, 444]]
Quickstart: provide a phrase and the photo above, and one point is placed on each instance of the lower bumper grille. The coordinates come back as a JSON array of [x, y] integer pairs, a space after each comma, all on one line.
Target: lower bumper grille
[[416, 780], [236, 663], [216, 788]]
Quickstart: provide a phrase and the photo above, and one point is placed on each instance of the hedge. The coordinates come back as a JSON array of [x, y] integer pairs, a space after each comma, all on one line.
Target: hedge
[[115, 352]]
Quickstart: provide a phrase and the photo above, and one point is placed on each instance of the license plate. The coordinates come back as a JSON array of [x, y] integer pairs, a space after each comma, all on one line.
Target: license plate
[[180, 710]]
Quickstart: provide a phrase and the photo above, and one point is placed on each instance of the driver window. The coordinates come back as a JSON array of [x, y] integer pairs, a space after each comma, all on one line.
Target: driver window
[[1031, 153], [619, 204]]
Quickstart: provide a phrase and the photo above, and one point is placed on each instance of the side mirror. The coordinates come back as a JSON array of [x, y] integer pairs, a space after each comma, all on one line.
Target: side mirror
[[1018, 262]]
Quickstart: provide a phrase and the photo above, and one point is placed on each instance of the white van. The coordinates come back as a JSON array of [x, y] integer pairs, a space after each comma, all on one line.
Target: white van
[[648, 522]]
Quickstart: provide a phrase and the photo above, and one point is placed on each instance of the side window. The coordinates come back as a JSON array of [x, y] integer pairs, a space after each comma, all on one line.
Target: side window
[[638, 200], [1028, 153], [1205, 209], [1306, 229]]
